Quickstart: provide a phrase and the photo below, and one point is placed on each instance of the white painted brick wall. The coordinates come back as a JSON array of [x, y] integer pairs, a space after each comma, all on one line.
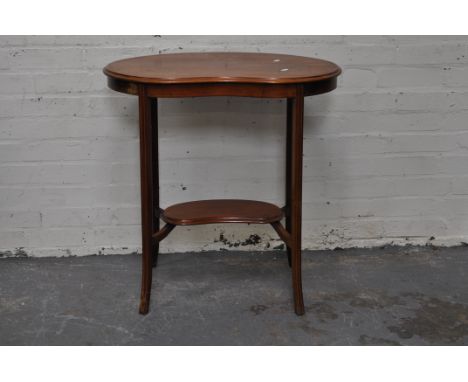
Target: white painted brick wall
[[386, 154]]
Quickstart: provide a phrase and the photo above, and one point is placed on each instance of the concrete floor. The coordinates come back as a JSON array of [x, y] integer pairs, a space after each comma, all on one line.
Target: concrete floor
[[389, 296]]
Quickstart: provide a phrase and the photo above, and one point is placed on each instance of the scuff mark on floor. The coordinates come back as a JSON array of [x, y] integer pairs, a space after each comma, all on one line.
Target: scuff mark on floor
[[435, 321]]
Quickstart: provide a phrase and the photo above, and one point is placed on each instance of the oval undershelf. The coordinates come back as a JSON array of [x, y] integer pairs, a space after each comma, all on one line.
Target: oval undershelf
[[222, 211]]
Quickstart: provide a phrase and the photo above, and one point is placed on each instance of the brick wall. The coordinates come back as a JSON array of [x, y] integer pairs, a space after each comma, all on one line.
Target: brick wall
[[386, 154]]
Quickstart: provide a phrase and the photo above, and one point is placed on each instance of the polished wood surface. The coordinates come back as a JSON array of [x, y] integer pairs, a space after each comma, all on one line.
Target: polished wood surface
[[147, 195], [295, 201], [154, 174], [223, 89], [222, 211], [221, 74], [219, 67]]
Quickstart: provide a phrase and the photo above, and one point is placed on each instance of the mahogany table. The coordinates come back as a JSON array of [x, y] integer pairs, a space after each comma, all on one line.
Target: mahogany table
[[221, 74]]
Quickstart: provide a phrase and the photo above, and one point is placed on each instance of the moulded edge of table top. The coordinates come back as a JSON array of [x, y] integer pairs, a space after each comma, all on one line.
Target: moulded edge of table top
[[127, 69]]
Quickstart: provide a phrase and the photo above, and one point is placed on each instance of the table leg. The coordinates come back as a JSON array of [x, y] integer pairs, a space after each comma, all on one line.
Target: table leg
[[296, 146], [155, 177], [289, 106], [146, 179]]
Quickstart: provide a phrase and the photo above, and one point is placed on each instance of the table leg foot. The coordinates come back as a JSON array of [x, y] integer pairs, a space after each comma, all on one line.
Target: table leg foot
[[297, 283], [144, 305], [147, 276], [296, 255], [299, 309]]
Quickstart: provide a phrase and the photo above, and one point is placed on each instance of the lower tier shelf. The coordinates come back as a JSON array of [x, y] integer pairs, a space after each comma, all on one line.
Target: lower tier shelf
[[222, 211]]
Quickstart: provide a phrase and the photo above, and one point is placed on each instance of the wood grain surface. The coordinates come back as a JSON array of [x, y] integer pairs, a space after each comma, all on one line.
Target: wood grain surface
[[222, 211], [219, 67]]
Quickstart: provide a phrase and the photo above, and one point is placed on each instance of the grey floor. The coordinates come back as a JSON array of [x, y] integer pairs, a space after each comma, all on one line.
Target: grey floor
[[388, 296]]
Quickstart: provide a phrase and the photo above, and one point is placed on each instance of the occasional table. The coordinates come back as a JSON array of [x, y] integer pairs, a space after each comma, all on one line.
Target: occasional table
[[262, 75]]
